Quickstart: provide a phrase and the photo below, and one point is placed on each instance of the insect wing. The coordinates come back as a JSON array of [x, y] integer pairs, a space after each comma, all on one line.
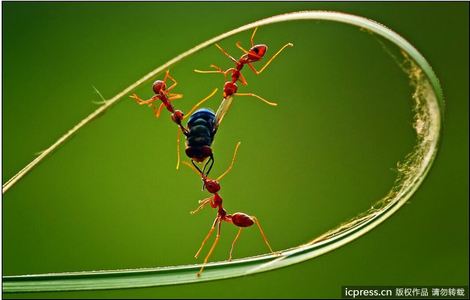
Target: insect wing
[[222, 110]]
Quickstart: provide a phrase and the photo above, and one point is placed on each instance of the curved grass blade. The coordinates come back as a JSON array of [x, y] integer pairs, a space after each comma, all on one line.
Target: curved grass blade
[[428, 104]]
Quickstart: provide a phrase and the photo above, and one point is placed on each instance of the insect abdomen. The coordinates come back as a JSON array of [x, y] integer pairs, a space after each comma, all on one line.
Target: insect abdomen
[[201, 133]]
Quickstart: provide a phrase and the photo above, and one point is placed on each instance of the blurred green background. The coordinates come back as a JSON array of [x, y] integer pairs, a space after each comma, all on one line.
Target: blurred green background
[[110, 198]]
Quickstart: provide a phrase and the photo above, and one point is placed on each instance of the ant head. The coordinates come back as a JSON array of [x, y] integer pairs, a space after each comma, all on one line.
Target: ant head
[[230, 88], [158, 86], [257, 52], [177, 116], [212, 185]]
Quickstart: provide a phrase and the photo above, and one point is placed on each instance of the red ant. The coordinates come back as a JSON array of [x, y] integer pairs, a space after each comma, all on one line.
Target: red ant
[[162, 93], [238, 219], [256, 53]]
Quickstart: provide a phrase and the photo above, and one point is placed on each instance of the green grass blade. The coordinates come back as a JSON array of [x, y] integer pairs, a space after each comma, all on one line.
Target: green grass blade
[[428, 105]]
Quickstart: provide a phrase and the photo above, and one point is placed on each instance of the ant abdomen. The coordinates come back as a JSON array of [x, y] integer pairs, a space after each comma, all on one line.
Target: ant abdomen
[[242, 220]]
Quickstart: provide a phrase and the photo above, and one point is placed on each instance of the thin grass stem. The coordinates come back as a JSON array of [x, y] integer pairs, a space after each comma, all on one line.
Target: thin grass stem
[[427, 109]]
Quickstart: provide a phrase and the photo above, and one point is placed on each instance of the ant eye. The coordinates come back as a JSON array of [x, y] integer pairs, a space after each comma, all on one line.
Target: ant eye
[[256, 50]]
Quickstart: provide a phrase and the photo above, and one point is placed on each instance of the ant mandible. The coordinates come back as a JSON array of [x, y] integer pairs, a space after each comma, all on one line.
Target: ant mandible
[[201, 124], [254, 54], [238, 219]]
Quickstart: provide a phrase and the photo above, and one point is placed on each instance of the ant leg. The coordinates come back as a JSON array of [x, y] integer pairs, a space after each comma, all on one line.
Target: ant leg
[[207, 236], [228, 70], [242, 79], [226, 53], [258, 97], [175, 83], [174, 96], [231, 164], [202, 203], [262, 234], [222, 71], [208, 72], [253, 36], [211, 250], [159, 110], [239, 46], [201, 102], [140, 101], [234, 241], [217, 70], [270, 60], [167, 74]]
